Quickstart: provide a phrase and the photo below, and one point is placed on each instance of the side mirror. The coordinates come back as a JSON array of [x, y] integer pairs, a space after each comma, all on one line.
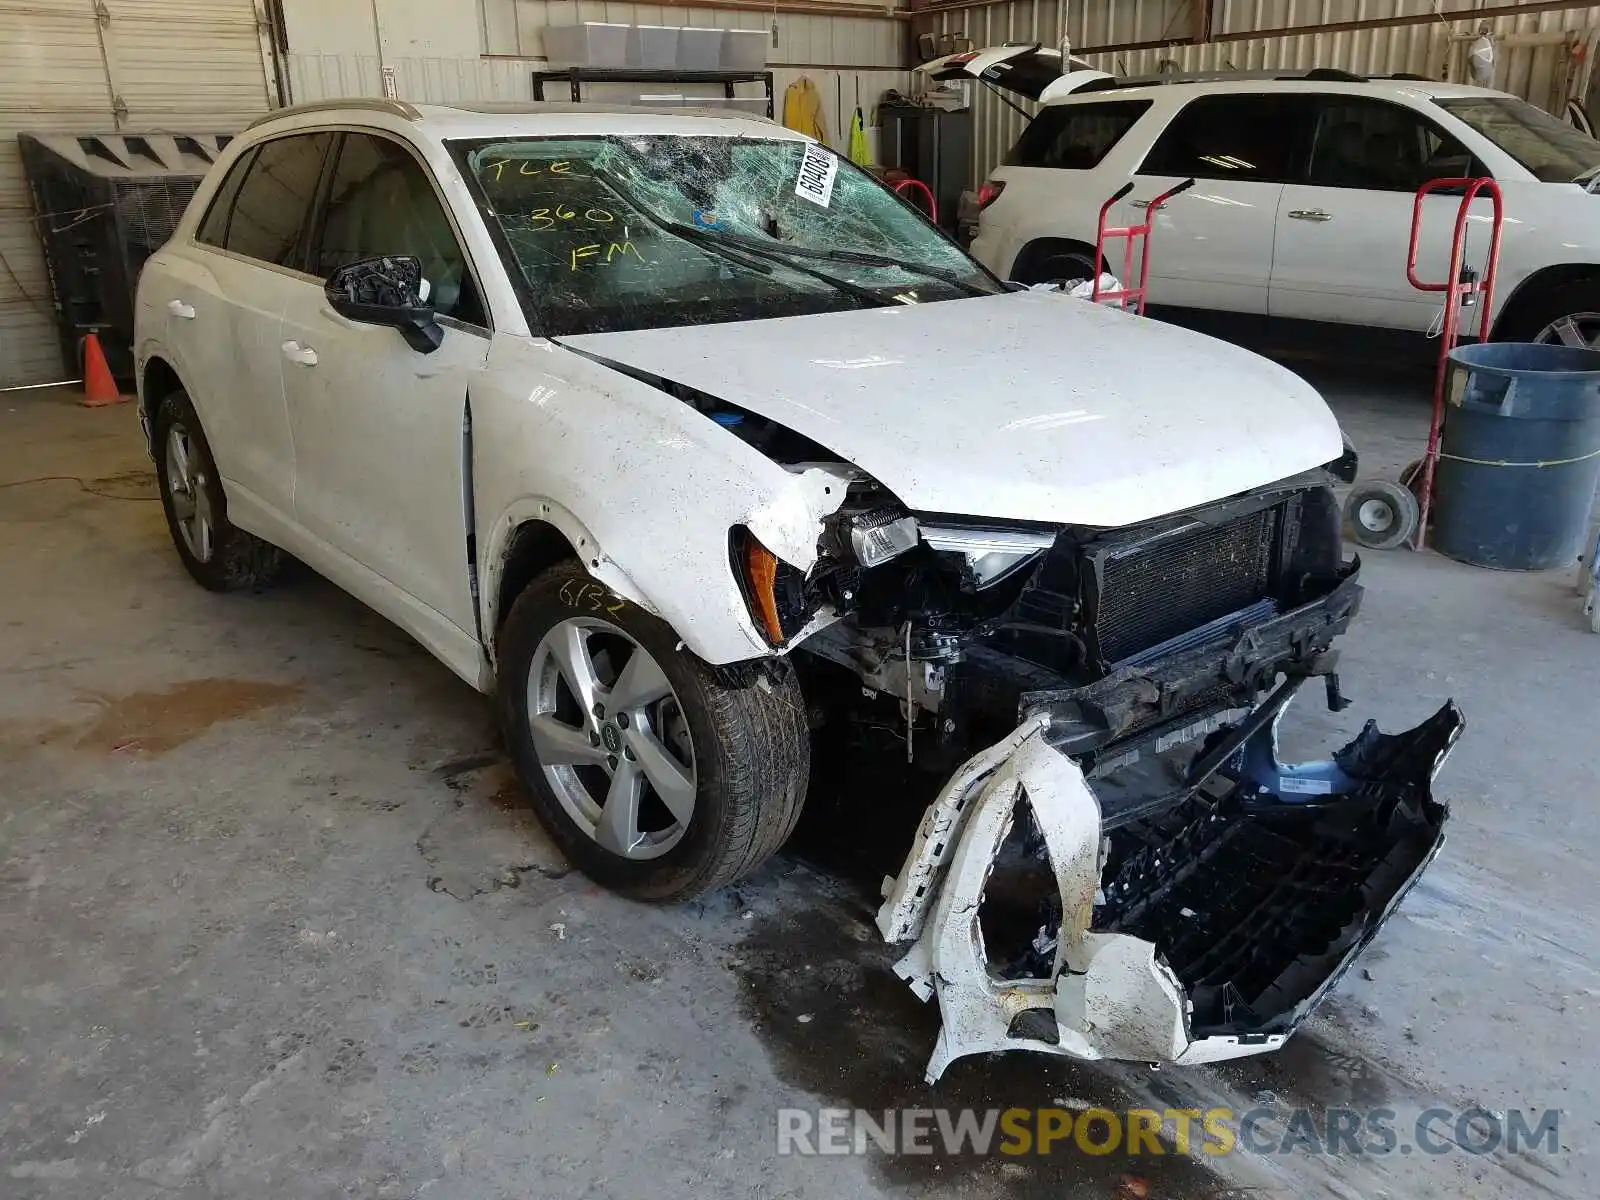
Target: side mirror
[[386, 291]]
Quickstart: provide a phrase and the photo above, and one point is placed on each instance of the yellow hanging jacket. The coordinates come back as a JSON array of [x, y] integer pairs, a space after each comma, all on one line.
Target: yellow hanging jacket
[[802, 109], [859, 152]]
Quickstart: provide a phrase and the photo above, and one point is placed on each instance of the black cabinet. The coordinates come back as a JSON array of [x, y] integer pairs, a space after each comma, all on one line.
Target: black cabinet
[[932, 144]]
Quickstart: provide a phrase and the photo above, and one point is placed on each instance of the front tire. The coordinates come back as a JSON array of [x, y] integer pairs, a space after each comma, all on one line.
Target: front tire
[[218, 555], [657, 775]]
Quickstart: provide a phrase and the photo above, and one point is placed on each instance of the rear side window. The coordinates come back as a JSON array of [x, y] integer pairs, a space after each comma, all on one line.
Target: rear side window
[[213, 229], [1075, 137], [1258, 138], [273, 207]]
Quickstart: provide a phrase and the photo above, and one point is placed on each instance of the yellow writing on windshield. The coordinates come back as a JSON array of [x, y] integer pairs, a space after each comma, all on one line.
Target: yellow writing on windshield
[[582, 254], [528, 167], [542, 219]]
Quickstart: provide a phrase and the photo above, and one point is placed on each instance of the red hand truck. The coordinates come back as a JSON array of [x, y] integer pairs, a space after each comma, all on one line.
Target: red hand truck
[[1455, 289], [905, 185], [1133, 236]]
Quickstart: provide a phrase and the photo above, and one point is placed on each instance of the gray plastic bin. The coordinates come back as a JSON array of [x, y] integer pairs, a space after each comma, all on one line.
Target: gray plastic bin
[[699, 49], [745, 50], [591, 44], [654, 46]]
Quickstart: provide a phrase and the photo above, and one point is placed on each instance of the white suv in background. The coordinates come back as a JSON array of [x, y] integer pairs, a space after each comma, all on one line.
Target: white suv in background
[[1303, 207]]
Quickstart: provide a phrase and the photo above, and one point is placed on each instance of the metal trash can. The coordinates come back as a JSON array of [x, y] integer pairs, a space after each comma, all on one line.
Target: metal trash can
[[1520, 456]]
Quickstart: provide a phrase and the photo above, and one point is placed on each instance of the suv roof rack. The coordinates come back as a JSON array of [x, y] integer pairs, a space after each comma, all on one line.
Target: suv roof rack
[[395, 108]]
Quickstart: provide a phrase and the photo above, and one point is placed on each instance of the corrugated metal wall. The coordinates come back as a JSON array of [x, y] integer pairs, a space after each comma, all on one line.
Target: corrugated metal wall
[[1422, 49], [1532, 72], [848, 56]]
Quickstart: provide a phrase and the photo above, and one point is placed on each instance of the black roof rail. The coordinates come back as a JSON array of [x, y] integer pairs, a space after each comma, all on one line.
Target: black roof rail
[[1330, 75]]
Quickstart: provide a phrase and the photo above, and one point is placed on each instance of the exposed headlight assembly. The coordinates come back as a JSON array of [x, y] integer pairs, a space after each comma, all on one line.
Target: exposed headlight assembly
[[991, 554], [880, 535]]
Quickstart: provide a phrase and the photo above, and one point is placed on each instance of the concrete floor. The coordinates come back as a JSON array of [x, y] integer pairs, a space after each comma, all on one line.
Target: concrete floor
[[274, 924]]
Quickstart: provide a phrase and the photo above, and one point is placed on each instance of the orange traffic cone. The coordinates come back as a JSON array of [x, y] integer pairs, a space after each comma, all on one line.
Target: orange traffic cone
[[99, 388]]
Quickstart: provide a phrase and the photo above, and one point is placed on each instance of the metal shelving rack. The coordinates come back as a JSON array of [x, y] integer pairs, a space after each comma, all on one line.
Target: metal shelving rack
[[578, 76]]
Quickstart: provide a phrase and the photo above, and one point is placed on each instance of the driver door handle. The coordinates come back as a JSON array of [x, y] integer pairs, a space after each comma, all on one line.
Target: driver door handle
[[303, 356], [1310, 214], [179, 308]]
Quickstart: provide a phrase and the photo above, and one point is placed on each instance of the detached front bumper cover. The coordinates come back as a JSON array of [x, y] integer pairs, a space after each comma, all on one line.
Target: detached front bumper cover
[[1206, 931]]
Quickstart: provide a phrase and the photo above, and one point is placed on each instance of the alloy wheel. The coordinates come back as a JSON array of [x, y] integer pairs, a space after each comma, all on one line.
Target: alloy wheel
[[1580, 329], [611, 738], [187, 486]]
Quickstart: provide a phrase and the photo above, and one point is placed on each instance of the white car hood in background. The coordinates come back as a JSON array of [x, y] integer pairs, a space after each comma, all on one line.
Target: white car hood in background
[[1028, 406]]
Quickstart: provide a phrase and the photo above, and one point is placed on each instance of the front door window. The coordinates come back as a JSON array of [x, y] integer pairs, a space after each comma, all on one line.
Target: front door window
[[381, 202], [1379, 146]]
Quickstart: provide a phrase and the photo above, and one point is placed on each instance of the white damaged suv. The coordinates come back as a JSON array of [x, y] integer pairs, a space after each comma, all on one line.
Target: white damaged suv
[[683, 437]]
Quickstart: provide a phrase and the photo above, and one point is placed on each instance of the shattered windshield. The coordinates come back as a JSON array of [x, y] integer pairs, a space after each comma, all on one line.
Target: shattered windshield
[[634, 232], [1552, 150]]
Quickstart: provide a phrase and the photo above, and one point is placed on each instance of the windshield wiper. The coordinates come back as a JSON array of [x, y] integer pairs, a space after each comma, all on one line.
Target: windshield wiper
[[743, 250], [734, 247], [864, 258]]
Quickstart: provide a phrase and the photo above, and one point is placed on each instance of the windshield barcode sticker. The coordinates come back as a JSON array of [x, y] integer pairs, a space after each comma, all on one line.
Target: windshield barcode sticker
[[817, 169]]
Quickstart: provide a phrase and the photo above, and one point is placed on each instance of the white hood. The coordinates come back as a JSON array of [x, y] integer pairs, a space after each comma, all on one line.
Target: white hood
[[1028, 406]]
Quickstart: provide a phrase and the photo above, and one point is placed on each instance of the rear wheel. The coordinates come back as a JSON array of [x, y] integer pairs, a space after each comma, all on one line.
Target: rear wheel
[[1055, 262], [1565, 315], [217, 554], [656, 774], [1580, 329]]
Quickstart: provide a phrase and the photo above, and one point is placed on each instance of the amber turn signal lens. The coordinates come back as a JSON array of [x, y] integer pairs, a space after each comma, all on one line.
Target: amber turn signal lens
[[761, 570]]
